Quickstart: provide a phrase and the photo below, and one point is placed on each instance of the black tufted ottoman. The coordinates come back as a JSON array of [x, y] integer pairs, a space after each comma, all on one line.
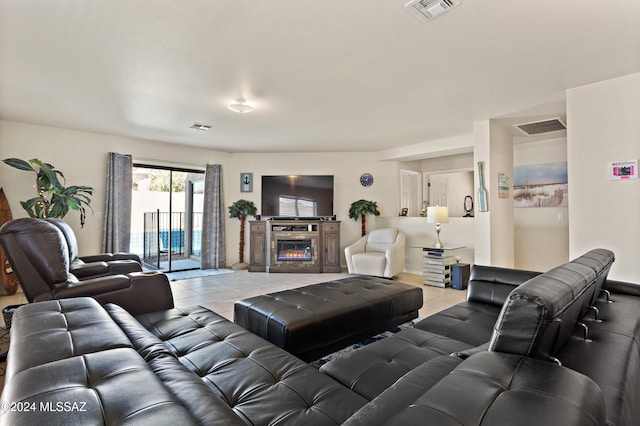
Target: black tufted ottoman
[[316, 320]]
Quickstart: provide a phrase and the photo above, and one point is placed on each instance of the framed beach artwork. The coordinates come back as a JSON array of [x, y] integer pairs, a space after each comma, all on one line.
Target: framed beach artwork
[[503, 185], [541, 185]]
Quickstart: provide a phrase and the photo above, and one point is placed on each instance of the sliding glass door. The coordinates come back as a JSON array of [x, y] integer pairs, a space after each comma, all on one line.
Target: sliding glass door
[[166, 217]]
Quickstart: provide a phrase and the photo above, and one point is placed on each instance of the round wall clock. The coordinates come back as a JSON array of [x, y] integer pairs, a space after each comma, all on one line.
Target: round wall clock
[[366, 179]]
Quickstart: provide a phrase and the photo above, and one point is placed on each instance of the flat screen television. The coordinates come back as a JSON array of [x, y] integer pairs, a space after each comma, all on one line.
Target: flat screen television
[[297, 196]]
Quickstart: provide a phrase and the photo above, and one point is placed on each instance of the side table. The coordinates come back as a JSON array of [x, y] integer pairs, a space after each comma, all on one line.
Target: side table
[[436, 267]]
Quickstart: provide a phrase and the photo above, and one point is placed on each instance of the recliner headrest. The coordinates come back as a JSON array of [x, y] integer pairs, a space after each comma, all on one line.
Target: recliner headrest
[[69, 235], [38, 250]]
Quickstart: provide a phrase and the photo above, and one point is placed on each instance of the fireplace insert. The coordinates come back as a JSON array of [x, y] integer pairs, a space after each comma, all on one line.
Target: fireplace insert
[[294, 250]]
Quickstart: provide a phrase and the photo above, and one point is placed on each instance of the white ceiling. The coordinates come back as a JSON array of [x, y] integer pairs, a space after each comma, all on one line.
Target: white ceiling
[[324, 75]]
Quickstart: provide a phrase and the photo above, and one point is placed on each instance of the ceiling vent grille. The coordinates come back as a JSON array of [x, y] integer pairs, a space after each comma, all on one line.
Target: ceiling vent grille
[[426, 10], [539, 127], [201, 127]]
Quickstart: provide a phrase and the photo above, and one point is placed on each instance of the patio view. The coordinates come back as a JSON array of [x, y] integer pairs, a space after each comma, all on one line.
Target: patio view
[[166, 217]]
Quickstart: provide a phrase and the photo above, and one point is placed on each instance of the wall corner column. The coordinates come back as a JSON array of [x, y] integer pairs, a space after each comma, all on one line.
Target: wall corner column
[[494, 234]]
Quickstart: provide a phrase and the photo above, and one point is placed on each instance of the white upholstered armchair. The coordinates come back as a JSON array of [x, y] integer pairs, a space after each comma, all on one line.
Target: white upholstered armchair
[[379, 253]]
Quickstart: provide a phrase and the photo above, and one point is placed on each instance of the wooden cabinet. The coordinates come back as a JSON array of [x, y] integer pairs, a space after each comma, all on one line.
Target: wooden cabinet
[[313, 246], [258, 246], [331, 247]]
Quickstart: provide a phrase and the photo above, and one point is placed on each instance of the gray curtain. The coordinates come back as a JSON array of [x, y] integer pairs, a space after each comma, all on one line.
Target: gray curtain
[[213, 245], [117, 214]]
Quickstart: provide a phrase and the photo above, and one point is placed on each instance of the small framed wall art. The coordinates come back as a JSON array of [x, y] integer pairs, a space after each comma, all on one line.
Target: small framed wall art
[[621, 170], [246, 182]]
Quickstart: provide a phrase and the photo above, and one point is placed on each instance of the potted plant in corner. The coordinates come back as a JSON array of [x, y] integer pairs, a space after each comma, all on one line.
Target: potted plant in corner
[[241, 209], [54, 199], [360, 209]]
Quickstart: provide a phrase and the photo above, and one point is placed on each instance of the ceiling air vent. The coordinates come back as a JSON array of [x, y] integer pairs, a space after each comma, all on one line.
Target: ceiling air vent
[[539, 127], [201, 127], [426, 10]]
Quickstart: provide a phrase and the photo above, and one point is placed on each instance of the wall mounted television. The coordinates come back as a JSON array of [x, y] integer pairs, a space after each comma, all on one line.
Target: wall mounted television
[[297, 196]]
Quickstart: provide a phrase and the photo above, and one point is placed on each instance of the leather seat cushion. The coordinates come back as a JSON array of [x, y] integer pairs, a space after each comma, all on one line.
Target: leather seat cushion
[[259, 382], [371, 369], [467, 322], [74, 327], [114, 386], [371, 262], [490, 389], [616, 371]]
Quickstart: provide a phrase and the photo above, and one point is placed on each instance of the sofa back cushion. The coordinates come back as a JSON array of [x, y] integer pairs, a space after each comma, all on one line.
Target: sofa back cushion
[[600, 260], [541, 314], [381, 239], [492, 285]]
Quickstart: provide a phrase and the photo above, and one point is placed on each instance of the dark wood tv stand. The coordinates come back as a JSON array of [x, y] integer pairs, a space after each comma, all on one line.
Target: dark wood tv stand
[[296, 245]]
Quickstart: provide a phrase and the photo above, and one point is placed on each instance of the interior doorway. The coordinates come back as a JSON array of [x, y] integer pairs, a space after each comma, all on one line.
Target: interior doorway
[[166, 217]]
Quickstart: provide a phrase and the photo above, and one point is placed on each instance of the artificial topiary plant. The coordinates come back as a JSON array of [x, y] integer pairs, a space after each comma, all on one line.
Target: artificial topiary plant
[[241, 209], [360, 208], [61, 198]]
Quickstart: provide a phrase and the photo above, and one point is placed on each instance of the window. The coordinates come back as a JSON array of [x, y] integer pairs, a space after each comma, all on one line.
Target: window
[[291, 206]]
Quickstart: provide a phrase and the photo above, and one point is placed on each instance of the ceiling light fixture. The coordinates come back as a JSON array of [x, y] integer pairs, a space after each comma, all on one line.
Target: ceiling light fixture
[[240, 106]]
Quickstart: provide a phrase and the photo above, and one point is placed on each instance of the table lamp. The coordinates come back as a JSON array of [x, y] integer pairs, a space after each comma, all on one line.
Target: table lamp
[[437, 215]]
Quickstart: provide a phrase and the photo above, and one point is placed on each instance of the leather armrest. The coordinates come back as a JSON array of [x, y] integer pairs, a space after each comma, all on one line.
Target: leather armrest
[[137, 292], [149, 292], [622, 287], [123, 266], [93, 287], [84, 270], [127, 256], [102, 257], [395, 256], [109, 257], [357, 247]]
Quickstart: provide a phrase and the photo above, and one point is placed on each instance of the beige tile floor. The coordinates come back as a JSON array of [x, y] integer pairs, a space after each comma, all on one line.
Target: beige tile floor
[[219, 292]]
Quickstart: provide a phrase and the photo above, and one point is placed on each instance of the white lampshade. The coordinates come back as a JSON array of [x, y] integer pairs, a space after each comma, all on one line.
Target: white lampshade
[[437, 214]]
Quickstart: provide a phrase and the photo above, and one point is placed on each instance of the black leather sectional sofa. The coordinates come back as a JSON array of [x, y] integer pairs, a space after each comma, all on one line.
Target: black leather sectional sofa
[[532, 366]]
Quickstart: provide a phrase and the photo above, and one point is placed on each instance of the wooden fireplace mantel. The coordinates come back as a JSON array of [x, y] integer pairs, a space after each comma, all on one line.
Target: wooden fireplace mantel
[[312, 246]]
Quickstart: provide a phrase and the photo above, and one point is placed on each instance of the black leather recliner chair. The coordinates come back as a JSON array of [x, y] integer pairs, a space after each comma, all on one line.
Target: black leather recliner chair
[[97, 265], [39, 255]]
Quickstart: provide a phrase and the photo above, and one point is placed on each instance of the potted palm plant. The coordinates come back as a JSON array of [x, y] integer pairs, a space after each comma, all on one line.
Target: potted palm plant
[[359, 210], [241, 209], [54, 199]]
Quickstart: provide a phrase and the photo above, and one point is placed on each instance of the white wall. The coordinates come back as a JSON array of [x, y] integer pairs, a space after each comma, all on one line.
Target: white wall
[[82, 157], [346, 168], [494, 241], [541, 234], [457, 233], [603, 126]]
